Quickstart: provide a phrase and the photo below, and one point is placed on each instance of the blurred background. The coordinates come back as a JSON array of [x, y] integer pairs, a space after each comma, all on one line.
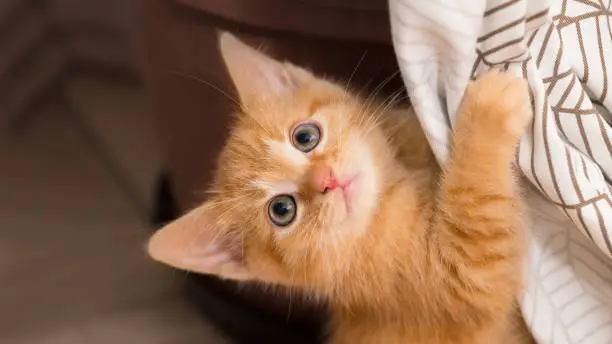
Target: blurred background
[[78, 164], [109, 128]]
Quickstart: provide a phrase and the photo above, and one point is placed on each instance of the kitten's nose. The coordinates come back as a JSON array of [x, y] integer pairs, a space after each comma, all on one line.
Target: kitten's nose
[[322, 179]]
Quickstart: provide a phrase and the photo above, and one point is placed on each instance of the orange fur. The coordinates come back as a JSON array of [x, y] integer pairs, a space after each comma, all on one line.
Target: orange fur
[[419, 254]]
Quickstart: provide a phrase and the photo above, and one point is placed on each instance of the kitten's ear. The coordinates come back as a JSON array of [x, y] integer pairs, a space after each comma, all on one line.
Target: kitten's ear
[[194, 243], [256, 75]]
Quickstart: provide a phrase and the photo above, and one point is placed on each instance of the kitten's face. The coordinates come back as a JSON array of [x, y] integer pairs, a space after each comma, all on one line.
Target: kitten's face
[[297, 183]]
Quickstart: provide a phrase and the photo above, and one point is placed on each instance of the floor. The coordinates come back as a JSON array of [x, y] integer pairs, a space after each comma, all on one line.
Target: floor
[[75, 184]]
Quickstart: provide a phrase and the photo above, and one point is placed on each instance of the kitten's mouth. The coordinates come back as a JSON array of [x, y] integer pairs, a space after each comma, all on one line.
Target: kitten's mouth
[[347, 188], [325, 181]]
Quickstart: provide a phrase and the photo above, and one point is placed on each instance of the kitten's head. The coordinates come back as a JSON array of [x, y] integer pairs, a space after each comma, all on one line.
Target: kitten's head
[[297, 184]]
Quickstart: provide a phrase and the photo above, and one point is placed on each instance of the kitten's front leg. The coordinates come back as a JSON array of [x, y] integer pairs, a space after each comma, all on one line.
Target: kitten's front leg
[[477, 234]]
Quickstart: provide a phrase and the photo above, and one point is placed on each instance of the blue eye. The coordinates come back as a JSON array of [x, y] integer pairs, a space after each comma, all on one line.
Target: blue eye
[[282, 210], [306, 136]]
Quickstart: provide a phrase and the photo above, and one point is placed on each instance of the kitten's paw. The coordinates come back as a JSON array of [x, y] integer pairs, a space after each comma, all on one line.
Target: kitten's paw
[[499, 103]]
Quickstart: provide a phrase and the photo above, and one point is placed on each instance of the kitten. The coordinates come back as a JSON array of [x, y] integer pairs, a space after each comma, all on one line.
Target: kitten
[[322, 191]]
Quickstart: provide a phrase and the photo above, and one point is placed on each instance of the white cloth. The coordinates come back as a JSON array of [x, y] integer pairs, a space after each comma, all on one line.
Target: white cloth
[[564, 49]]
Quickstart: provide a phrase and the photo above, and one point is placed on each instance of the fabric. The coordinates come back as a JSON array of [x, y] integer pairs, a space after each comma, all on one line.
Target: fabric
[[564, 49]]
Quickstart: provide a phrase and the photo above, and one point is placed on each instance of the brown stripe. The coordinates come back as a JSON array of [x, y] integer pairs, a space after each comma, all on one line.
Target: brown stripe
[[566, 93], [585, 171], [588, 3], [476, 64], [608, 20], [558, 77], [580, 112], [513, 58], [581, 204], [500, 7], [566, 21], [580, 100], [544, 45], [569, 89], [553, 176], [604, 92], [559, 125], [558, 57], [502, 46], [537, 15], [483, 59], [570, 166], [532, 162], [501, 29], [551, 167], [561, 101], [604, 134], [532, 37], [584, 135], [563, 10], [584, 60]]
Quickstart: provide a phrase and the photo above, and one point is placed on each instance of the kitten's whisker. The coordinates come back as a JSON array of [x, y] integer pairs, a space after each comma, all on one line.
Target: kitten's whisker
[[348, 83], [205, 82], [377, 117], [243, 107], [372, 96], [210, 192], [389, 100]]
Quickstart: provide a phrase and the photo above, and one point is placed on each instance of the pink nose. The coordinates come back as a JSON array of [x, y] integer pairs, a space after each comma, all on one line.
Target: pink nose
[[321, 178]]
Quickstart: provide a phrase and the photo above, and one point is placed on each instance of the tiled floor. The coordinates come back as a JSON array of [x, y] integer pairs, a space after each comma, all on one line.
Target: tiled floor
[[72, 265]]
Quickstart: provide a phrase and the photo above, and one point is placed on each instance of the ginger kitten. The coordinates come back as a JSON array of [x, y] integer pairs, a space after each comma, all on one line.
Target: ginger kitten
[[322, 191]]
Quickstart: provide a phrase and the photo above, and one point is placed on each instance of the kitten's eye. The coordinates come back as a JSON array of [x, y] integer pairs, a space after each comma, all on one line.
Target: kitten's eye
[[306, 136], [282, 210]]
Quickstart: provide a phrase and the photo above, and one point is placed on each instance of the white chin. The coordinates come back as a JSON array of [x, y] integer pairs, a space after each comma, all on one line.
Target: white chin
[[357, 211], [364, 189], [363, 199]]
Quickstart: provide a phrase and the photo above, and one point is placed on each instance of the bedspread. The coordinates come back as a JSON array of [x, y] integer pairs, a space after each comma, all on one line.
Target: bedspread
[[564, 49]]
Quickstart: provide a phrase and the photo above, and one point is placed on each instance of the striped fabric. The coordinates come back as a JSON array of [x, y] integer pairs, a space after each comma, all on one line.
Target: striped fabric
[[564, 49]]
